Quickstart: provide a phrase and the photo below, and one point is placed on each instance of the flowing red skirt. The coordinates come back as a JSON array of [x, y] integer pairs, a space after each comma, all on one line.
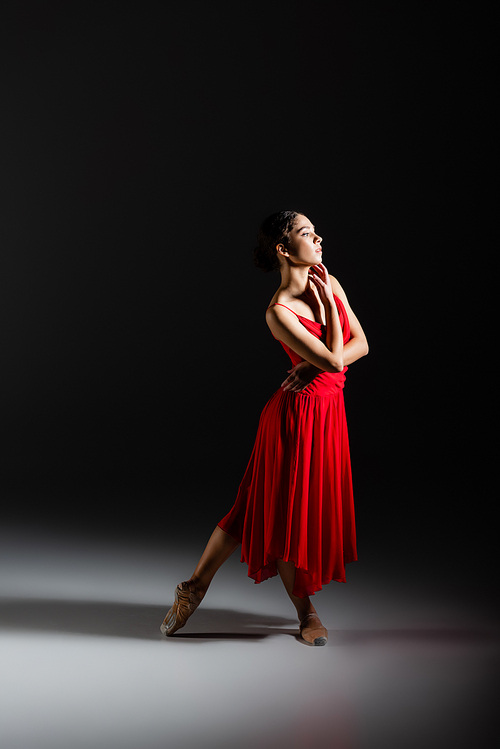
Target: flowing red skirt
[[295, 501]]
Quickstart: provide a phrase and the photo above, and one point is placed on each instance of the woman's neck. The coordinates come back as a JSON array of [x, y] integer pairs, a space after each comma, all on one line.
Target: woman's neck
[[295, 280]]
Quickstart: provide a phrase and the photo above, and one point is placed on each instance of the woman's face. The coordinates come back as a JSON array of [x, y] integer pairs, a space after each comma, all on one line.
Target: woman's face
[[304, 245]]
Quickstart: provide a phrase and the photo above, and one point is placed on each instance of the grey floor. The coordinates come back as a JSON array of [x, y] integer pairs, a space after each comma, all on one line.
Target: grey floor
[[83, 663]]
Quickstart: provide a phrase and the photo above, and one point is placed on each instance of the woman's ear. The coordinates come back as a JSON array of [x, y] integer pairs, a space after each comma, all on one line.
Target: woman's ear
[[281, 250]]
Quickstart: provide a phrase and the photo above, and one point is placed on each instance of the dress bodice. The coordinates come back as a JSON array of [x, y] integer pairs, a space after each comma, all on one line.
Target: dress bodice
[[325, 383]]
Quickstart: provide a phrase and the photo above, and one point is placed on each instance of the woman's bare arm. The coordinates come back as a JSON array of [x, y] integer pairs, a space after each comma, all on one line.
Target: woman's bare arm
[[320, 279], [304, 372], [357, 346], [285, 326]]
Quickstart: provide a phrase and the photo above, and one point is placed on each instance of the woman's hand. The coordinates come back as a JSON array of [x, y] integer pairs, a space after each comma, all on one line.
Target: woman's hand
[[300, 376], [318, 274]]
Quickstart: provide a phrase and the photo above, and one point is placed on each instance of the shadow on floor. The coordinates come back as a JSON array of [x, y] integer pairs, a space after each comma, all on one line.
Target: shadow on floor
[[138, 621], [142, 621]]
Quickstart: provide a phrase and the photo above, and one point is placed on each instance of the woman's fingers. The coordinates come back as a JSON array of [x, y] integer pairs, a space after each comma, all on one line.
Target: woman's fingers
[[299, 377], [286, 384], [319, 267], [293, 384], [321, 280], [317, 281]]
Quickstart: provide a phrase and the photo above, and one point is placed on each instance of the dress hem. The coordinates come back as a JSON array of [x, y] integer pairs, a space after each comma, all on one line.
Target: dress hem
[[266, 572], [310, 590]]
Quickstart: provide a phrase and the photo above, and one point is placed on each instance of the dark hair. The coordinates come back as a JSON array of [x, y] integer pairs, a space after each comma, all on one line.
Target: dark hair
[[275, 229]]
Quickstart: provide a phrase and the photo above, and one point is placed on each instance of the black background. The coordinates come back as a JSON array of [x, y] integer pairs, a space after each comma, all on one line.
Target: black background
[[142, 144]]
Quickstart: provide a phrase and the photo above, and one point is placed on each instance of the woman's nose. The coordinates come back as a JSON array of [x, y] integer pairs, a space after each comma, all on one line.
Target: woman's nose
[[318, 238]]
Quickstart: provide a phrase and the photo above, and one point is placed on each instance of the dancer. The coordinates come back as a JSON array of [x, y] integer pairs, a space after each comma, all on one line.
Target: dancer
[[294, 511]]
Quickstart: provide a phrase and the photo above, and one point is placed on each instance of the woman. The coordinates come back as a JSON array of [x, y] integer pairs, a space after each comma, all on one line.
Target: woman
[[294, 513]]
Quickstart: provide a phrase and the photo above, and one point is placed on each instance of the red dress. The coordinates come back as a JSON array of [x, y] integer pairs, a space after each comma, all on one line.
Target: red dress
[[295, 500]]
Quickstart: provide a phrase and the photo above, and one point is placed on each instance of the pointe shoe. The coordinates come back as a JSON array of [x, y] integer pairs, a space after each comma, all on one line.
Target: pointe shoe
[[185, 604], [312, 631]]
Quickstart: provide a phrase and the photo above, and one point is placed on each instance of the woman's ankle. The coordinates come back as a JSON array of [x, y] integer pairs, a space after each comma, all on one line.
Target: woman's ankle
[[306, 610], [197, 587]]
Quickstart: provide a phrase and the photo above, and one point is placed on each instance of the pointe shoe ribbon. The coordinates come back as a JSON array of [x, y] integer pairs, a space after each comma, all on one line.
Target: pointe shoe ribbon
[[185, 604], [312, 631]]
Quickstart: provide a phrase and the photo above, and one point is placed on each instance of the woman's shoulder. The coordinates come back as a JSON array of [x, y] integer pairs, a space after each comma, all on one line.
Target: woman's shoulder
[[275, 306], [279, 309], [337, 288], [278, 299]]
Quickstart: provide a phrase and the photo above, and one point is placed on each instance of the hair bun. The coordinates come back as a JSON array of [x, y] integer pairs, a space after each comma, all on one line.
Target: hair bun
[[275, 229]]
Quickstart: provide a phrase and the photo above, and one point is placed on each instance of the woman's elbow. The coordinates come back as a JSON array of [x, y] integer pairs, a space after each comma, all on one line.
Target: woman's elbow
[[362, 347], [335, 365]]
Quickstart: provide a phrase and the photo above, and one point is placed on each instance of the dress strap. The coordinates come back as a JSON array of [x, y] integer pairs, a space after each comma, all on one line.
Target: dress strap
[[277, 304]]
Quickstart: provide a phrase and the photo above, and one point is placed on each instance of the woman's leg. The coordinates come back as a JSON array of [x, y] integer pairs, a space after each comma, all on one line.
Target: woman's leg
[[287, 574], [311, 629], [219, 548], [189, 594]]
